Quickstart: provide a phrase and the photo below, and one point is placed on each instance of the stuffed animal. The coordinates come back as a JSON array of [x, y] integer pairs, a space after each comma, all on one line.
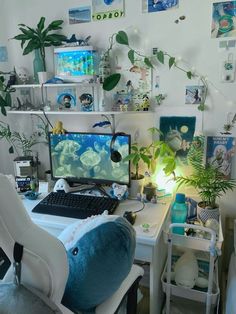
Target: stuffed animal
[[58, 128], [119, 191]]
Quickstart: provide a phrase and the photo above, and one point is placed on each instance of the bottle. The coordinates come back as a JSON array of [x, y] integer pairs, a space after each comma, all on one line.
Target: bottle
[[179, 212]]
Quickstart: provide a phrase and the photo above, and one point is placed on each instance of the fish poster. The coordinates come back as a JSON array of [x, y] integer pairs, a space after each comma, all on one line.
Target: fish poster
[[107, 9], [194, 94], [178, 133], [219, 152], [80, 15], [223, 19], [158, 5], [3, 54]]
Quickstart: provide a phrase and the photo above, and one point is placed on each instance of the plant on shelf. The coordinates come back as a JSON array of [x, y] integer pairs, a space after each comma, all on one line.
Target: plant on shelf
[[40, 37], [121, 38], [5, 95], [210, 184]]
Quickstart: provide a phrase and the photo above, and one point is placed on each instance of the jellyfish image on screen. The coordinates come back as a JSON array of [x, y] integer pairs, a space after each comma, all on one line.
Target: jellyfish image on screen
[[86, 156]]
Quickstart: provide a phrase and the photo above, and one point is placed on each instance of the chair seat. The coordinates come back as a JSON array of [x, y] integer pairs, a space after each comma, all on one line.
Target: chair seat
[[111, 304]]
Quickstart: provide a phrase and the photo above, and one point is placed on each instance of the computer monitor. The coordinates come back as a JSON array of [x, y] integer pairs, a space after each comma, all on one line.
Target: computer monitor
[[85, 158]]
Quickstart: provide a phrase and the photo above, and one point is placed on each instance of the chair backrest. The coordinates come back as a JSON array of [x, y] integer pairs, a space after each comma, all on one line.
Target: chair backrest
[[44, 263]]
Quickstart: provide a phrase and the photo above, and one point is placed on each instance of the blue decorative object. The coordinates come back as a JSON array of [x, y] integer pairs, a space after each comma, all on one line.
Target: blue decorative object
[[100, 252], [108, 2], [66, 100], [86, 100], [30, 195], [119, 191]]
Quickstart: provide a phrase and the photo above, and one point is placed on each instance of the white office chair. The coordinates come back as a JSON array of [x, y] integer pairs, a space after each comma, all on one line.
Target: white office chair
[[44, 263]]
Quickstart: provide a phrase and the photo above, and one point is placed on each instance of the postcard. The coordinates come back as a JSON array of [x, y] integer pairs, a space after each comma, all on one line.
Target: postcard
[[158, 5], [3, 54], [194, 94], [80, 15], [223, 19], [107, 9]]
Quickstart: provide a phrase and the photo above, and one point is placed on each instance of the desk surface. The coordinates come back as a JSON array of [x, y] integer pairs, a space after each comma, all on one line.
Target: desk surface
[[153, 214]]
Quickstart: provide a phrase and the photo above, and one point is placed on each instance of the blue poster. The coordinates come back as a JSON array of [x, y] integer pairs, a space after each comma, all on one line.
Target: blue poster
[[3, 54], [161, 5], [219, 153]]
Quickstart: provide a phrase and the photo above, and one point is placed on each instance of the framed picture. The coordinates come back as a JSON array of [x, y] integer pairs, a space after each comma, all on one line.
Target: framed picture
[[194, 94], [223, 19], [80, 15]]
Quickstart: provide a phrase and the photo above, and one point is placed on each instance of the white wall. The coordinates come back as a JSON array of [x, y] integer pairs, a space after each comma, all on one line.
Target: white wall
[[189, 39]]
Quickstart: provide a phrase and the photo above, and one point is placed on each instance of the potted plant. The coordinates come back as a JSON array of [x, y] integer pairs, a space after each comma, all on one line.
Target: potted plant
[[149, 155], [210, 184], [38, 39]]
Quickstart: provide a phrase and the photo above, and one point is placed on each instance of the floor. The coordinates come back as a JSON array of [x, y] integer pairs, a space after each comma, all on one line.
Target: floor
[[143, 305]]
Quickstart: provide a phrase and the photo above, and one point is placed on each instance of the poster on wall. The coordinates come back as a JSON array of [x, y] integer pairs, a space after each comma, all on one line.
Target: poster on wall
[[223, 19], [178, 133], [107, 9], [80, 15], [3, 54], [219, 152], [158, 5], [194, 94]]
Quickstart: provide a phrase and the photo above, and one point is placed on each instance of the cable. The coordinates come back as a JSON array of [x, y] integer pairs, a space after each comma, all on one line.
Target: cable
[[47, 118], [142, 208]]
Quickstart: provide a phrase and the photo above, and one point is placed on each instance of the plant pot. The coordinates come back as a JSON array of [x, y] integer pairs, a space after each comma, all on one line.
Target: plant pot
[[206, 213], [150, 190], [43, 77], [136, 186]]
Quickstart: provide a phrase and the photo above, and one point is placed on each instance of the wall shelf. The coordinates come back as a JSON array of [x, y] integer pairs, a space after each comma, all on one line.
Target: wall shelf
[[79, 112]]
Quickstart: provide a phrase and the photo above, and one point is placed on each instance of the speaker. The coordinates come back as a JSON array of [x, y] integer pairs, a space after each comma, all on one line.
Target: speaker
[[114, 154]]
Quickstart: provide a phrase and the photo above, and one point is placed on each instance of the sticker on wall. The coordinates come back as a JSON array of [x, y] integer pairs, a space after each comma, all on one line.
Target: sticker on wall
[[80, 15], [107, 9], [178, 133], [3, 54], [223, 19], [158, 5], [194, 94], [228, 69]]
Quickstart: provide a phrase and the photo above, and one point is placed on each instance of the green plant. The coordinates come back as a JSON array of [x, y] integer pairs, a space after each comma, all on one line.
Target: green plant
[[40, 38], [150, 154], [121, 38], [5, 96], [208, 181], [17, 141]]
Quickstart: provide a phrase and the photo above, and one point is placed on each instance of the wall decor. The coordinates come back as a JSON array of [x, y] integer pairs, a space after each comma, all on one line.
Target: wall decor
[[80, 15], [178, 133], [158, 5], [223, 19], [3, 54], [107, 9], [194, 94], [219, 152]]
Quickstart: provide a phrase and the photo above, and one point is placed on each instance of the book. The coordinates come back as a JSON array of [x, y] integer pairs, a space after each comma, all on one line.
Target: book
[[219, 152]]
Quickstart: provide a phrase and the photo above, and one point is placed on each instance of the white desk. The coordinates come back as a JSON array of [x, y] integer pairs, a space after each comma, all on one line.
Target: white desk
[[150, 246]]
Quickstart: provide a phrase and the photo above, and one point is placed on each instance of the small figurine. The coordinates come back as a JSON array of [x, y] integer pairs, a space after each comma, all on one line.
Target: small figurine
[[86, 102], [58, 128], [22, 75], [67, 101], [146, 103], [119, 191], [129, 87]]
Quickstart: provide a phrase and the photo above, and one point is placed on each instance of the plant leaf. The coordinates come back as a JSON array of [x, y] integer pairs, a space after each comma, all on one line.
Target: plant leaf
[[189, 74], [11, 150], [122, 38], [40, 25], [8, 99], [111, 81], [32, 45], [3, 110], [171, 62], [160, 56], [148, 62], [55, 25], [131, 56]]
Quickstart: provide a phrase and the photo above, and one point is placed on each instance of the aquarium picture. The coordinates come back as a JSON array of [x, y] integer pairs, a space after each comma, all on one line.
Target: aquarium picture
[[85, 157], [75, 63]]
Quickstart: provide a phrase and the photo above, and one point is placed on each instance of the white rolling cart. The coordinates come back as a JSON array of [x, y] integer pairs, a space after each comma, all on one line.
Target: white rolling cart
[[209, 296]]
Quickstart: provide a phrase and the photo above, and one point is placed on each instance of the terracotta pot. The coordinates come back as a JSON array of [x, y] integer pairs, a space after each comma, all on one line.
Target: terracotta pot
[[136, 186], [206, 213]]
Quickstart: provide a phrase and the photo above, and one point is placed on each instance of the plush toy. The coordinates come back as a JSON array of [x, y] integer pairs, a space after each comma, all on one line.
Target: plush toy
[[119, 191], [100, 252], [58, 128]]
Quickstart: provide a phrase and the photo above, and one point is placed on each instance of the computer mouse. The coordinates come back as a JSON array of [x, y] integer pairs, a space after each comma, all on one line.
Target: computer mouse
[[130, 216]]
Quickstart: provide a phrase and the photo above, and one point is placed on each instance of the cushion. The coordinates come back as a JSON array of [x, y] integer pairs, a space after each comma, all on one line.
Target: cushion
[[100, 252]]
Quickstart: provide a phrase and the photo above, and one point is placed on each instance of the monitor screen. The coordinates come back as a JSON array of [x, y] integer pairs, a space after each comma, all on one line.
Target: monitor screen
[[85, 158]]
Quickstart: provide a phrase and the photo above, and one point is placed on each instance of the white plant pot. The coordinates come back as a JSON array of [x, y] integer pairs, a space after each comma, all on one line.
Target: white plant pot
[[205, 213], [136, 187], [43, 77]]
